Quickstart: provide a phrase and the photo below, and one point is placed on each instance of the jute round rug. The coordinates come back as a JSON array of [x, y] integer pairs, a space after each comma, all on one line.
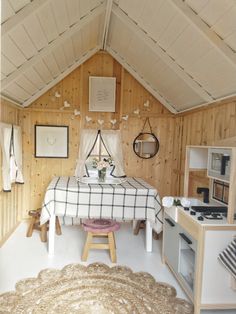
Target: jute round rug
[[96, 288]]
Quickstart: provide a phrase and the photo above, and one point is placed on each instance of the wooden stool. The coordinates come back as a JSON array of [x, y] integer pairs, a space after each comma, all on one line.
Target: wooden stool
[[141, 224], [35, 224], [98, 228]]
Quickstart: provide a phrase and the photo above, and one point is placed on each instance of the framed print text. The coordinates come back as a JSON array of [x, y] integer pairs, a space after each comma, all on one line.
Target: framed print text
[[102, 93]]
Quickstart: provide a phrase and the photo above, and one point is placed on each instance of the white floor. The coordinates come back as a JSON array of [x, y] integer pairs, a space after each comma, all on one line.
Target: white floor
[[22, 257]]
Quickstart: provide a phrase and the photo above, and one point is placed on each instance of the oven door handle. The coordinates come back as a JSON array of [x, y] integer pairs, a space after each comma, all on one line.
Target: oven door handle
[[169, 222], [185, 238]]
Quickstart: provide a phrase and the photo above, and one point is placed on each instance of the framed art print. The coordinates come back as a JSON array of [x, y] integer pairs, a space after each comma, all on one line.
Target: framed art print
[[51, 141], [102, 93]]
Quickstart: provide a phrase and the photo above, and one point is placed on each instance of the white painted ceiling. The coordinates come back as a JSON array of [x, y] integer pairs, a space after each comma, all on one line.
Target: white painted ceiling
[[182, 51]]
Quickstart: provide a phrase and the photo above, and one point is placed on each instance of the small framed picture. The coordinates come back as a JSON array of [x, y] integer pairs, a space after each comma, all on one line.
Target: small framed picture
[[51, 141], [102, 93]]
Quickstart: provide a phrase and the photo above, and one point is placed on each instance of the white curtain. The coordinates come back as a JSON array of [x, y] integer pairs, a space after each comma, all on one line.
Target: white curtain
[[87, 140], [11, 145], [112, 142], [17, 150]]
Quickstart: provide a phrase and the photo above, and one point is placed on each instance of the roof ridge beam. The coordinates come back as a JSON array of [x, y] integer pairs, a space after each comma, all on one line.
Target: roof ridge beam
[[144, 83], [18, 18], [58, 41], [106, 23], [205, 30], [162, 54], [75, 65]]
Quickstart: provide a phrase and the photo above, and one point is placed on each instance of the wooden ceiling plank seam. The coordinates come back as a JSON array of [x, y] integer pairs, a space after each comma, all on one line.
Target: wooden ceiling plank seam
[[175, 30], [34, 30], [197, 6], [84, 8], [134, 11], [118, 29], [23, 42], [214, 11], [24, 89], [231, 41], [33, 76], [52, 65], [43, 71], [6, 11], [227, 24], [48, 23], [27, 85], [149, 14], [18, 18], [12, 52], [51, 46], [68, 50], [7, 67], [13, 101], [106, 23], [163, 55], [60, 14], [209, 103], [61, 76], [18, 92], [76, 40], [36, 68], [144, 83], [30, 38], [85, 32], [48, 68], [2, 75], [205, 30], [73, 11], [99, 37], [160, 25], [17, 5]]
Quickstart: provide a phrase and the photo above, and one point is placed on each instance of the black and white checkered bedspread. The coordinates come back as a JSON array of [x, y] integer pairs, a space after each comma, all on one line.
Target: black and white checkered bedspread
[[133, 199]]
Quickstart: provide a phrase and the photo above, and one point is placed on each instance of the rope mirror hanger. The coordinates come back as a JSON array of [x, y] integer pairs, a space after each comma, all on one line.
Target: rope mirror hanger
[[146, 144]]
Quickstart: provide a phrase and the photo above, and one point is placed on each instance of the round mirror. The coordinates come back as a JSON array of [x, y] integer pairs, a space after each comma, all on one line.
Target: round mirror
[[146, 145]]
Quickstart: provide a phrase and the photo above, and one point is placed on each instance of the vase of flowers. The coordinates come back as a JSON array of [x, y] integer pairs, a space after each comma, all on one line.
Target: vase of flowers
[[102, 166], [102, 174]]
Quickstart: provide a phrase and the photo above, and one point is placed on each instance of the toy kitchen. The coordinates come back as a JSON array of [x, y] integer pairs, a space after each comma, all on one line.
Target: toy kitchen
[[200, 225]]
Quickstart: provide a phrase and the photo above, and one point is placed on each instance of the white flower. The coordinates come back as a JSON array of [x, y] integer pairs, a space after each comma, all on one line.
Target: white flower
[[105, 163], [102, 164]]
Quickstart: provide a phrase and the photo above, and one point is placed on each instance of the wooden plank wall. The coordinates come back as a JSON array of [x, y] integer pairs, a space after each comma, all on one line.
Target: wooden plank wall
[[165, 171], [130, 95], [10, 203], [204, 126]]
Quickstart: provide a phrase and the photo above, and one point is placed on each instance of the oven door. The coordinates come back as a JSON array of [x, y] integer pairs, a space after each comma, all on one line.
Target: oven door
[[187, 259]]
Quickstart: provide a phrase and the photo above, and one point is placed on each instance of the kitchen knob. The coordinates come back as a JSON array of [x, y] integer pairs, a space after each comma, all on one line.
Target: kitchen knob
[[192, 212], [186, 208], [200, 218]]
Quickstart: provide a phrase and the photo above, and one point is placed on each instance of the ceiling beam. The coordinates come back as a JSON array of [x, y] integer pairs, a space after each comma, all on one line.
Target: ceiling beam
[[205, 30], [84, 58], [50, 46], [162, 54], [229, 98], [11, 100], [106, 23], [144, 83], [18, 18]]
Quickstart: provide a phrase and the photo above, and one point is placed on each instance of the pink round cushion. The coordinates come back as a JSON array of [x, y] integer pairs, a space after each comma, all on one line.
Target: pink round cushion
[[101, 225]]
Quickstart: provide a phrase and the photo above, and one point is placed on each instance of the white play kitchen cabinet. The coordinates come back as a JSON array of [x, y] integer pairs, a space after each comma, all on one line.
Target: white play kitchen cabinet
[[194, 236]]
